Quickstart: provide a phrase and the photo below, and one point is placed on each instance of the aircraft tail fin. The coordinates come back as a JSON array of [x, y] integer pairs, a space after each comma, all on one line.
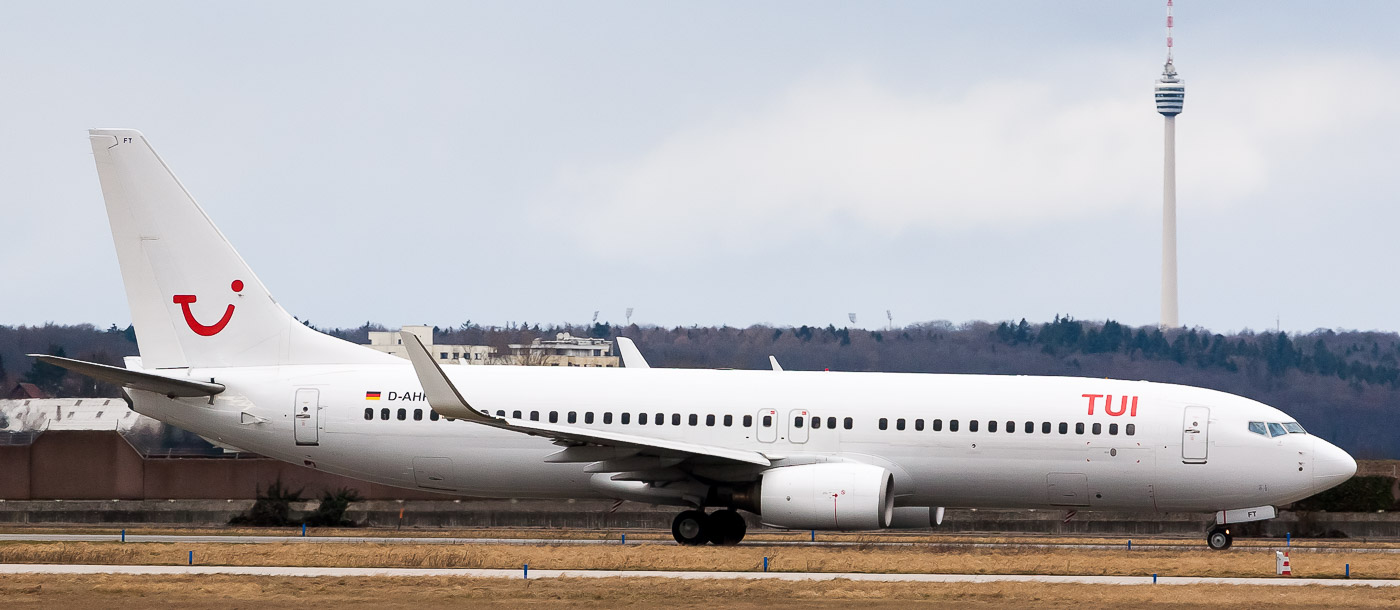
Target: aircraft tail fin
[[194, 301], [631, 356]]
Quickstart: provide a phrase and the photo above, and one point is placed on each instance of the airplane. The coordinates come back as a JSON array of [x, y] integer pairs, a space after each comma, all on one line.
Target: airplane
[[800, 450]]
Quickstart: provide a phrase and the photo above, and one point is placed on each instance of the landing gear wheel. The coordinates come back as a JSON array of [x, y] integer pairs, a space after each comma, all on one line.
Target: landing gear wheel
[[1219, 538], [691, 528], [727, 527]]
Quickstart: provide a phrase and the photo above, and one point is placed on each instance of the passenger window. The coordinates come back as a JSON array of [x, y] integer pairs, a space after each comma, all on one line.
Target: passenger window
[[937, 425], [849, 423], [919, 424], [573, 417], [1259, 428], [992, 426], [767, 421], [417, 415], [899, 424], [1274, 429], [500, 413], [816, 423], [660, 419], [588, 417], [694, 419], [1079, 428], [709, 420], [553, 417], [1010, 427], [515, 414], [884, 424], [384, 414], [831, 422], [534, 416], [1130, 429], [1045, 428], [728, 420], [676, 419], [1113, 429], [433, 415], [607, 417], [1293, 428], [403, 415], [797, 422], [1064, 428], [972, 426], [1030, 427], [625, 418], [1098, 428], [748, 421], [952, 425], [369, 413], [641, 419]]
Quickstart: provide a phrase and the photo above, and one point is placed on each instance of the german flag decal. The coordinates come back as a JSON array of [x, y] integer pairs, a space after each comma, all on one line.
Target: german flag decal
[[371, 395]]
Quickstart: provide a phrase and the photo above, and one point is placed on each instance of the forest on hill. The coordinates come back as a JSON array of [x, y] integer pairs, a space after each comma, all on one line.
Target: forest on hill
[[1341, 385]]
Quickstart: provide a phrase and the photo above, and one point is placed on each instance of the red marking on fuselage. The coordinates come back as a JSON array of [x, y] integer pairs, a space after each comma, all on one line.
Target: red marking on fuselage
[[202, 330]]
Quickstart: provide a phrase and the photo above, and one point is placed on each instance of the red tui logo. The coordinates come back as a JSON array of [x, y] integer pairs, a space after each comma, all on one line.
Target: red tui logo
[[199, 329]]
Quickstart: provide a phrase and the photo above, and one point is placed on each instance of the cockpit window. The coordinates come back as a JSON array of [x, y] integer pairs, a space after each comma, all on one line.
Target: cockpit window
[[1276, 429], [1259, 428], [1293, 428]]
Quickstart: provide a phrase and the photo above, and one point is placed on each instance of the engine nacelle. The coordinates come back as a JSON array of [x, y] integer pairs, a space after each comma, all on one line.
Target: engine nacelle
[[833, 496]]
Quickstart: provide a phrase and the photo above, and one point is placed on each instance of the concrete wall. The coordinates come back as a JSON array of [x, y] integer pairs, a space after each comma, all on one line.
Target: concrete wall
[[14, 472], [101, 465]]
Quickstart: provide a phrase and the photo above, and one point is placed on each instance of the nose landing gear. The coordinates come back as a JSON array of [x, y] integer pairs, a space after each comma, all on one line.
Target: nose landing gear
[[1219, 538], [723, 527]]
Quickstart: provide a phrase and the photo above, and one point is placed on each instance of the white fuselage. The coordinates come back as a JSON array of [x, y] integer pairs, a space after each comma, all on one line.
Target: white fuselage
[[1167, 461]]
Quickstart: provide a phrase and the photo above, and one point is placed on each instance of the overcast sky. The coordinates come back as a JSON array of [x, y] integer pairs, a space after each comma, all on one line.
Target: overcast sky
[[721, 163]]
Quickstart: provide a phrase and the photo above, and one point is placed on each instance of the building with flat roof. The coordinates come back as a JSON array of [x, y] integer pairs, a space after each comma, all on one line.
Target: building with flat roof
[[391, 343], [564, 350]]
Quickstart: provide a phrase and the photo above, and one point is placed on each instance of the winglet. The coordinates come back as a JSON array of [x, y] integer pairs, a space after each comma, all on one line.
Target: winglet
[[443, 397], [773, 360], [631, 356]]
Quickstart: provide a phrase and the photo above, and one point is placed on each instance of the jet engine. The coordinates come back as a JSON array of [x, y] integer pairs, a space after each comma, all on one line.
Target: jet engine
[[831, 496]]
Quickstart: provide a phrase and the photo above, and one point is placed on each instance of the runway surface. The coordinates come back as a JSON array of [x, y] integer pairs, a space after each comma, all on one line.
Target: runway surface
[[790, 576], [232, 539]]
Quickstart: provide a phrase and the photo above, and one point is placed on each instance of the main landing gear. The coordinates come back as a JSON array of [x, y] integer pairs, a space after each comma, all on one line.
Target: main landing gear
[[722, 527], [1219, 538]]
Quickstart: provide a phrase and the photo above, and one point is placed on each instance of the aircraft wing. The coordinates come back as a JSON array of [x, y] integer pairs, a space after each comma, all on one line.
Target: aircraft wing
[[444, 398], [160, 384]]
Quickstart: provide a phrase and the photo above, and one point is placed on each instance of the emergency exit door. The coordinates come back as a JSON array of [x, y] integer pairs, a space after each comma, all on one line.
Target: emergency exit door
[[306, 416], [1195, 434]]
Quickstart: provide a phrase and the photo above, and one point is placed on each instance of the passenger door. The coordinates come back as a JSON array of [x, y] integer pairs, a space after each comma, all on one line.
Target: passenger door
[[306, 416], [1195, 434]]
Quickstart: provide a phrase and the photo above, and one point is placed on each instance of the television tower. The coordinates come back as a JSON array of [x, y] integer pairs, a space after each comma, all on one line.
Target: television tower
[[1170, 93]]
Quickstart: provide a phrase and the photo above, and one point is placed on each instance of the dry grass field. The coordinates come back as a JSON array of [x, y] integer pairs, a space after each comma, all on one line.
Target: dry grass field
[[1236, 562], [225, 592], [758, 536]]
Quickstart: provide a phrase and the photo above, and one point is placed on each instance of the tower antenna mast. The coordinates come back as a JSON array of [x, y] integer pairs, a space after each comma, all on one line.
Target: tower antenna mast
[[1170, 94]]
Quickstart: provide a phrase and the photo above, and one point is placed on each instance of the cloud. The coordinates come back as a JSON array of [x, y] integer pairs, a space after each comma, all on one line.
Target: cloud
[[1011, 153]]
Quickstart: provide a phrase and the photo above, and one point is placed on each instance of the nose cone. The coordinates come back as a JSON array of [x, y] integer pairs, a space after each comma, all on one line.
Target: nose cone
[[1331, 465]]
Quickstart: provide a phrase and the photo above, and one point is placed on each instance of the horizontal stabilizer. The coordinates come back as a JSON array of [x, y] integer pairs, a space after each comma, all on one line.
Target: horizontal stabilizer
[[150, 382]]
